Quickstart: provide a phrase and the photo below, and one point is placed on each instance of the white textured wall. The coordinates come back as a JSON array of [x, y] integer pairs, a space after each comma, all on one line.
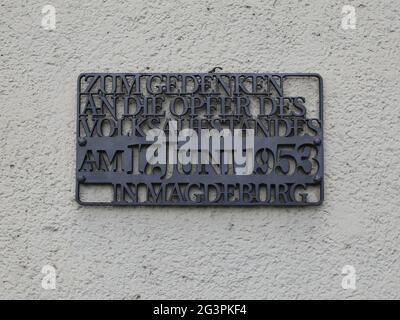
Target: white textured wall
[[188, 252]]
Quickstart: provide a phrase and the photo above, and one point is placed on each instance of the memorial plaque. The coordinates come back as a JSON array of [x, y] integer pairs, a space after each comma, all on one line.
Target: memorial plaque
[[198, 139]]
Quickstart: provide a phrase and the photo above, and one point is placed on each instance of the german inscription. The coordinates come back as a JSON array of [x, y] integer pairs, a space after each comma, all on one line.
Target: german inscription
[[199, 139]]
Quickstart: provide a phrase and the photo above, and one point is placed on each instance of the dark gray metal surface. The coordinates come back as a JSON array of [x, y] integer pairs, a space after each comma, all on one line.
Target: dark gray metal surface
[[287, 166]]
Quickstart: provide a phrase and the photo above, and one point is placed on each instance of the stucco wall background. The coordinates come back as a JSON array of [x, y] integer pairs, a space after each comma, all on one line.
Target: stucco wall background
[[142, 253]]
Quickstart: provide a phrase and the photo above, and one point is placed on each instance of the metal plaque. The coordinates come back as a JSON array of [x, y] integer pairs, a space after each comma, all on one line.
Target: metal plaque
[[233, 139]]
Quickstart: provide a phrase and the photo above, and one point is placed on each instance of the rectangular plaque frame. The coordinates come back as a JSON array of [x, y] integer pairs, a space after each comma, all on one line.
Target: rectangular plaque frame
[[280, 189]]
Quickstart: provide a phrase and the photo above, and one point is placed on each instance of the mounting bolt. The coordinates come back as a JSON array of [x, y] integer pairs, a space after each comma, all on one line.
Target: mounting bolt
[[317, 141], [317, 178], [81, 178], [82, 141]]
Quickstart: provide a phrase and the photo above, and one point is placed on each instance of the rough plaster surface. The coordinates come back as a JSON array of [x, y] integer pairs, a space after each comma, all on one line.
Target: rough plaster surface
[[142, 253]]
